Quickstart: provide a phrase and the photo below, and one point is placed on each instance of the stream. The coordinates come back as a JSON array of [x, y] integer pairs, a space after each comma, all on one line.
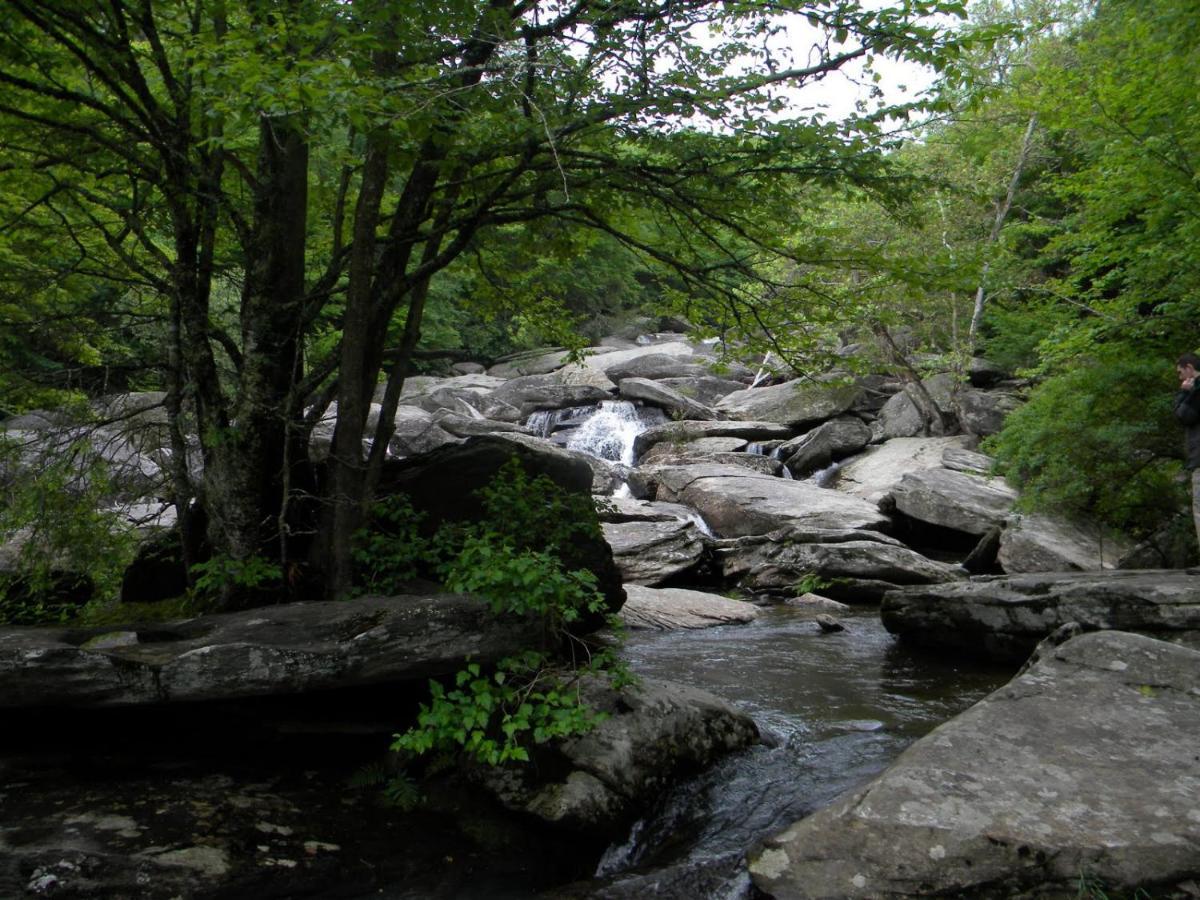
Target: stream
[[833, 709]]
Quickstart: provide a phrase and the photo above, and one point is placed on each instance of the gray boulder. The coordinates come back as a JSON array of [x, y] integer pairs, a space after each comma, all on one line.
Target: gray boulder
[[1081, 771], [736, 502], [653, 734], [530, 362], [874, 473], [795, 403], [531, 393], [657, 366], [983, 412], [901, 417], [1043, 543], [470, 426], [778, 560], [1004, 617], [968, 503], [829, 441], [960, 459], [707, 389], [653, 551], [664, 609], [682, 432], [676, 404], [277, 650], [672, 454]]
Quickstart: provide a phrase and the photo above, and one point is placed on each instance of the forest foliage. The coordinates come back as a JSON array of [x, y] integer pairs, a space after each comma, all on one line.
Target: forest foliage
[[265, 207]]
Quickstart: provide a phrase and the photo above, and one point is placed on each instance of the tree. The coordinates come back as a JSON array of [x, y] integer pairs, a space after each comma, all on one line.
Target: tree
[[329, 160]]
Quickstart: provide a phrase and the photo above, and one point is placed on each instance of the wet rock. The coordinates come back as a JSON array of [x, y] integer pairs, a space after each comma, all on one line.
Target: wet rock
[[1044, 543], [463, 426], [815, 603], [664, 609], [778, 560], [874, 473], [1048, 783], [672, 402], [1004, 617], [795, 403], [654, 734], [967, 503], [828, 624], [735, 502], [270, 651]]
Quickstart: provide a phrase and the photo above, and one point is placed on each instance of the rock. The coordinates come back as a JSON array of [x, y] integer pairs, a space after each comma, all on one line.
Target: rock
[[985, 373], [675, 455], [814, 603], [615, 364], [983, 555], [682, 432], [1004, 617], [1049, 783], [828, 624], [626, 509], [531, 393], [706, 389], [417, 431], [664, 609], [900, 417], [959, 459], [605, 779], [289, 649], [829, 441], [700, 447], [735, 502], [529, 362], [470, 426], [955, 500], [983, 412], [468, 368], [657, 366], [444, 485], [777, 561], [874, 474], [651, 552], [796, 403], [1043, 543], [673, 402]]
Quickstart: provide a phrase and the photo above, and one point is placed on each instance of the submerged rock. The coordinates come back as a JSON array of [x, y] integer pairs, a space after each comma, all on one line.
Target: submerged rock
[[1051, 782], [1005, 617]]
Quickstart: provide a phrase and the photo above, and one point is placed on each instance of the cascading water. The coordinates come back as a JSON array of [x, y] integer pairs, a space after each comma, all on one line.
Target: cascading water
[[609, 432]]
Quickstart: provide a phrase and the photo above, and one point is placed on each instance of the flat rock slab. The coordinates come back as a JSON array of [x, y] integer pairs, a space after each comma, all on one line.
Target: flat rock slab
[[270, 651], [682, 432], [1004, 617], [663, 609], [650, 552], [1084, 767], [798, 402], [956, 500], [735, 502], [874, 473]]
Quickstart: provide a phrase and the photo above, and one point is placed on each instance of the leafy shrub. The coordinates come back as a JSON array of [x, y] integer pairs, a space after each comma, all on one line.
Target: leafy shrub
[[1098, 441], [391, 550], [68, 547], [214, 577]]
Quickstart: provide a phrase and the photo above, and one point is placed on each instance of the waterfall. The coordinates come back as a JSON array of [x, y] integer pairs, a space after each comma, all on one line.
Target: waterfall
[[545, 422], [609, 432]]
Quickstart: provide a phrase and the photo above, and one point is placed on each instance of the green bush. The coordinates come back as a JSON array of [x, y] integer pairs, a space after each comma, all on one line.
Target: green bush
[[1098, 441]]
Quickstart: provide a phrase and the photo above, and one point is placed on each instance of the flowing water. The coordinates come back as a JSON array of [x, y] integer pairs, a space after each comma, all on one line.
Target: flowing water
[[609, 432], [834, 710]]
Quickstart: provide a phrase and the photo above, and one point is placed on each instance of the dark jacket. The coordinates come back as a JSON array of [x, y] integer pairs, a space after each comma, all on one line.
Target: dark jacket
[[1187, 411]]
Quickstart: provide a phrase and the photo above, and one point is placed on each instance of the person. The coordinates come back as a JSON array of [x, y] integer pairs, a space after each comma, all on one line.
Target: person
[[1187, 411]]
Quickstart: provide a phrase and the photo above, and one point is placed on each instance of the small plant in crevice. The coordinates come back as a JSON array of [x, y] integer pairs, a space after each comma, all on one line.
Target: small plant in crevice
[[397, 789]]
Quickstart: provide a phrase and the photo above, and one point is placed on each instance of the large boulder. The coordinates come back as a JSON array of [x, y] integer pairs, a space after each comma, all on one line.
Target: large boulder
[[706, 389], [682, 432], [955, 500], [1004, 617], [1044, 543], [290, 649], [735, 502], [651, 552], [599, 783], [657, 366], [829, 441], [665, 609], [532, 393], [779, 560], [1079, 775], [674, 403], [983, 412], [796, 403], [874, 473], [445, 485]]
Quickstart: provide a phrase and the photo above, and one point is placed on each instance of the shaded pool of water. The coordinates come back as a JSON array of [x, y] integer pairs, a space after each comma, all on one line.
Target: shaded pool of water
[[834, 710]]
